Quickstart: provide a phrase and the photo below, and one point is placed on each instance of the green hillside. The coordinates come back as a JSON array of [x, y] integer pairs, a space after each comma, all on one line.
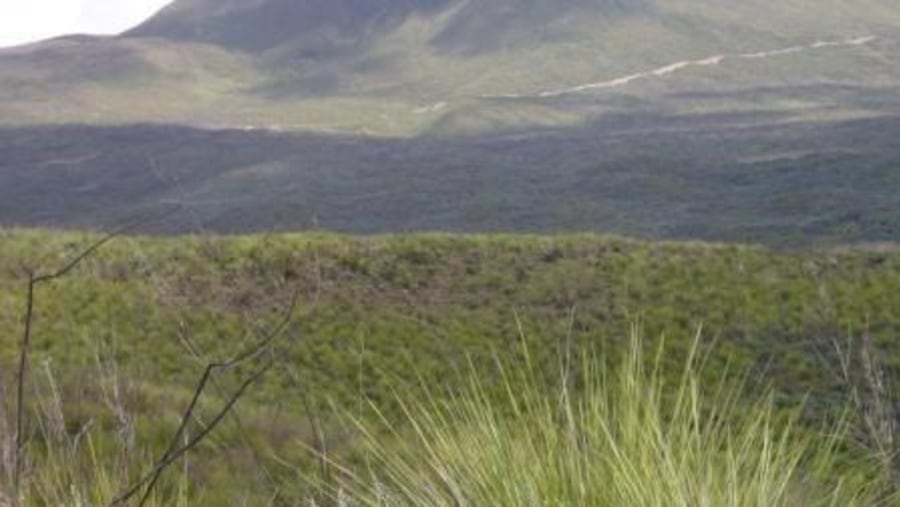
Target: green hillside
[[378, 315], [765, 122], [402, 68], [752, 178], [452, 253]]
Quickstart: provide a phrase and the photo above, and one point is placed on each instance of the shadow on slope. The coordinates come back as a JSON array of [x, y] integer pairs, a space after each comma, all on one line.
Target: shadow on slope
[[745, 177]]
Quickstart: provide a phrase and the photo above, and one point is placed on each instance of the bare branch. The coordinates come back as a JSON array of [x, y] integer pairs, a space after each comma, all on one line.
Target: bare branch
[[125, 228], [192, 349], [173, 452], [34, 280], [20, 386]]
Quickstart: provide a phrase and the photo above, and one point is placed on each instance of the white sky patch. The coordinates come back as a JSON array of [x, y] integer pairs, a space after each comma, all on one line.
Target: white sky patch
[[24, 21]]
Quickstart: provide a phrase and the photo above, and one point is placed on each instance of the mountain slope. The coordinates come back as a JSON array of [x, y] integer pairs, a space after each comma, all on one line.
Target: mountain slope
[[750, 178], [753, 121], [403, 67], [259, 25]]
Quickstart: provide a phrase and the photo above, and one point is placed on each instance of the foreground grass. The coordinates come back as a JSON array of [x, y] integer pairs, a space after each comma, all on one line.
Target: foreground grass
[[127, 334], [608, 438], [607, 433]]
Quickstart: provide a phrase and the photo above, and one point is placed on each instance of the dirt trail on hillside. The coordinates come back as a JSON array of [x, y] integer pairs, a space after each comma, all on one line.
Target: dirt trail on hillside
[[676, 67]]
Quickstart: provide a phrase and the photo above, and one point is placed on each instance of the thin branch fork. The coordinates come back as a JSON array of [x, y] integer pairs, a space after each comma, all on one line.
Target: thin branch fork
[[173, 452], [34, 280]]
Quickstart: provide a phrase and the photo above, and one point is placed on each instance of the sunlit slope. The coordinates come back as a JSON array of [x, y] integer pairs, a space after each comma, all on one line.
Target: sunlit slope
[[402, 67]]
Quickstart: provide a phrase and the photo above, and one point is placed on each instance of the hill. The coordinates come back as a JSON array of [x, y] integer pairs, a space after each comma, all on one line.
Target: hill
[[746, 178], [765, 121], [403, 67], [122, 339], [399, 367]]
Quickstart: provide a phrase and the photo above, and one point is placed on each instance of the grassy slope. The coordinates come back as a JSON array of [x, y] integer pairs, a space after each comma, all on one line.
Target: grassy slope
[[450, 58], [379, 312], [609, 435], [741, 178]]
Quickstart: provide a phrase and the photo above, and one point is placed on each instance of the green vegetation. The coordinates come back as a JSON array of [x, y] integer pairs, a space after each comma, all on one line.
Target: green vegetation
[[120, 342], [354, 67], [650, 176], [607, 438], [413, 115]]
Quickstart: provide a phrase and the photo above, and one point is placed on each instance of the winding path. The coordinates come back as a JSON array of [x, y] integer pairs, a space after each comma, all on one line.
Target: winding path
[[673, 68]]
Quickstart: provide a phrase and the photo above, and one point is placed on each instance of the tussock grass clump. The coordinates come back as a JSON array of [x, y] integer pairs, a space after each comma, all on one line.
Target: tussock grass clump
[[605, 436]]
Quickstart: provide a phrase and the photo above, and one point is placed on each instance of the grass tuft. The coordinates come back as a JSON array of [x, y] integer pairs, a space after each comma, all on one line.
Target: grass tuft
[[626, 434]]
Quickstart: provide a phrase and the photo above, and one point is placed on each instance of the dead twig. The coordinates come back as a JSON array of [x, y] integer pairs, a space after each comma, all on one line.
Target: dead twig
[[870, 384], [34, 280], [174, 451]]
